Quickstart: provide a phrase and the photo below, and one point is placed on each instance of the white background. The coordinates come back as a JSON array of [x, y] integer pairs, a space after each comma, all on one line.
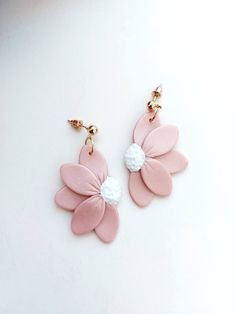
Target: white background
[[99, 60]]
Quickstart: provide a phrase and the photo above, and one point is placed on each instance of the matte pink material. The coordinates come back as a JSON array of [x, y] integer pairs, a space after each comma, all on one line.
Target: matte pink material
[[82, 194], [88, 215], [160, 140], [68, 199], [108, 227], [156, 177], [80, 179], [94, 162], [143, 127], [139, 192], [173, 161]]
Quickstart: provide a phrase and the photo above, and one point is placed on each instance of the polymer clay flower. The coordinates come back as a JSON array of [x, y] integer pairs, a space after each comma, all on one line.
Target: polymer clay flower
[[91, 194], [151, 160]]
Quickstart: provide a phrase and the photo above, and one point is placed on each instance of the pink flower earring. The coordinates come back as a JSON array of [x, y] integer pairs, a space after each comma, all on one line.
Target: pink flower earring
[[151, 159], [89, 192]]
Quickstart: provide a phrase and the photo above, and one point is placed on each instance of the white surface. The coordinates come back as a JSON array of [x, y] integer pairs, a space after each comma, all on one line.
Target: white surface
[[99, 60]]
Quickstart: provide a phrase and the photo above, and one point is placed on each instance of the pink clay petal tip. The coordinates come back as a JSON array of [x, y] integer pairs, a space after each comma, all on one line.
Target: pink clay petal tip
[[67, 199], [173, 161], [95, 162], [160, 140], [88, 215], [143, 127], [80, 179], [156, 177], [107, 229], [139, 192]]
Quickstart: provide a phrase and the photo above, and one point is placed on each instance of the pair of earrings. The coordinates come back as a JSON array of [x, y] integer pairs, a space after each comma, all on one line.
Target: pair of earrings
[[93, 196]]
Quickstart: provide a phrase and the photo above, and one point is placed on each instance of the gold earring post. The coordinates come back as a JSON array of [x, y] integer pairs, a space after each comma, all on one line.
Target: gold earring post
[[92, 130], [152, 105]]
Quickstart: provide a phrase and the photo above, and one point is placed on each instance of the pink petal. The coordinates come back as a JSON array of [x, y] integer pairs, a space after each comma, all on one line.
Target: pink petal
[[173, 161], [94, 162], [108, 227], [139, 192], [143, 127], [68, 199], [80, 179], [156, 177], [160, 140], [88, 215]]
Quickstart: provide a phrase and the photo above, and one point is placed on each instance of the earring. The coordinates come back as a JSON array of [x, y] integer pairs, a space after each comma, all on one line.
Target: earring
[[151, 159], [89, 192]]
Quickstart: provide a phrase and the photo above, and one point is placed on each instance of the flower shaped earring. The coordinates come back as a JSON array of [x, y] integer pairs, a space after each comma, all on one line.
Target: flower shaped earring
[[89, 192], [151, 159]]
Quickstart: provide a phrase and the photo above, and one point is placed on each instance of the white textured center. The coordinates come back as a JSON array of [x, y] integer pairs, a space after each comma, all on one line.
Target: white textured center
[[111, 191], [134, 158]]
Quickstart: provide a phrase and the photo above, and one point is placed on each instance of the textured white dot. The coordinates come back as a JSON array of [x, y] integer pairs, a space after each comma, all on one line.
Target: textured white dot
[[111, 191], [134, 158]]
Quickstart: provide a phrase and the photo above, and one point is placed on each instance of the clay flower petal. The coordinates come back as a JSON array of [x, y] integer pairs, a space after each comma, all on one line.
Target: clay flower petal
[[94, 162], [160, 140], [88, 215], [80, 179], [108, 227], [139, 192], [143, 127], [68, 199], [156, 177], [173, 161]]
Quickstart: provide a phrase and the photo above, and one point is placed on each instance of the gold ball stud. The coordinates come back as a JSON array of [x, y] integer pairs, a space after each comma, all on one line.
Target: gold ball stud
[[92, 129], [151, 106]]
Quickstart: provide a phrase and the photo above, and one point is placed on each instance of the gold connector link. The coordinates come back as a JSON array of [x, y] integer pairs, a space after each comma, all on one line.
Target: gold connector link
[[91, 129], [152, 105]]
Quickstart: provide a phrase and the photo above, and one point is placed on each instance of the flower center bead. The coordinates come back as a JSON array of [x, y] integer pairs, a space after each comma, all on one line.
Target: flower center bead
[[111, 191], [134, 158]]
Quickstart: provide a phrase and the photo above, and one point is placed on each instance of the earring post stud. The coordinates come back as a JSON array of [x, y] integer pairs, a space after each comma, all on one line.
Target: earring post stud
[[152, 105], [91, 129]]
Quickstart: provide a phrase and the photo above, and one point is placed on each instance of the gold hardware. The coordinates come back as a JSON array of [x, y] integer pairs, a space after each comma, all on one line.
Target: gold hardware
[[152, 105], [92, 130], [77, 124]]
